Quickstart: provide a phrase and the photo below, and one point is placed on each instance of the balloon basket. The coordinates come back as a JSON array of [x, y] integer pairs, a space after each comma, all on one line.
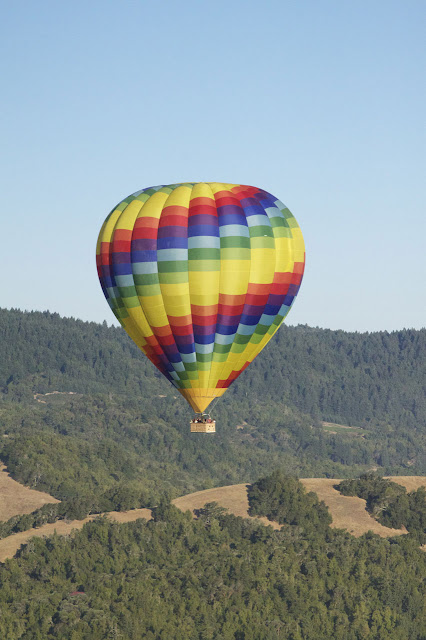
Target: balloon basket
[[202, 424]]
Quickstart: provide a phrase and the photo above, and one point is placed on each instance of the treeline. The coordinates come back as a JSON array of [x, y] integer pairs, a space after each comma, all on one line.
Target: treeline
[[119, 498], [354, 378], [126, 426], [284, 499], [217, 578], [390, 503]]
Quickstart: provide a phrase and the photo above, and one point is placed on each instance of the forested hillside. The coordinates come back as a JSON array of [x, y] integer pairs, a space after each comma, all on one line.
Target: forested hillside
[[125, 428], [344, 377], [117, 436], [217, 578]]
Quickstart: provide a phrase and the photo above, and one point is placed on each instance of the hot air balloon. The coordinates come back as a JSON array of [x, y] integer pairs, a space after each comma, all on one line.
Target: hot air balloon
[[200, 275]]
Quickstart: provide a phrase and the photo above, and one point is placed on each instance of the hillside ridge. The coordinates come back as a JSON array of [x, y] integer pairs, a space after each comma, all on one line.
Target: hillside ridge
[[347, 512]]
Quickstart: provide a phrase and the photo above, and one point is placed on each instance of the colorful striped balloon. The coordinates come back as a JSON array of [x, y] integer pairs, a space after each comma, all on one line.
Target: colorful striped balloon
[[200, 275]]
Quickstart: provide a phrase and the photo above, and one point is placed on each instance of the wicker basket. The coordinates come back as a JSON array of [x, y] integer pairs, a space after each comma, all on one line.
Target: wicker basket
[[203, 427]]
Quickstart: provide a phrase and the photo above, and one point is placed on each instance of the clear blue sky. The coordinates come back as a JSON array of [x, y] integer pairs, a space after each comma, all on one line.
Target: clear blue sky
[[320, 103]]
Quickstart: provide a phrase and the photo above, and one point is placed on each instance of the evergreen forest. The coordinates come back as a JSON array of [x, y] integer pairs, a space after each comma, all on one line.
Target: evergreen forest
[[86, 417]]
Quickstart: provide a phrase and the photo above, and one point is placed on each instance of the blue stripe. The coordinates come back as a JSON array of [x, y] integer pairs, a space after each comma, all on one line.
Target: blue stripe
[[231, 218], [249, 320], [188, 357], [225, 329], [267, 320], [172, 254], [204, 348], [122, 269], [144, 256], [144, 267], [125, 281], [271, 309], [206, 339], [203, 230], [237, 230], [185, 348], [222, 339], [246, 330], [204, 242], [172, 243], [256, 220]]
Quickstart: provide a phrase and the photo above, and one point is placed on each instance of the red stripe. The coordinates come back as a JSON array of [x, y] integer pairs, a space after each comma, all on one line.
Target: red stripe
[[257, 299], [201, 310], [282, 277], [105, 254], [204, 320], [231, 310], [179, 320], [146, 222], [198, 209], [297, 278], [173, 220], [258, 289], [279, 289], [209, 202], [145, 233], [161, 331], [121, 246], [166, 341], [225, 197], [179, 330], [122, 234], [227, 299]]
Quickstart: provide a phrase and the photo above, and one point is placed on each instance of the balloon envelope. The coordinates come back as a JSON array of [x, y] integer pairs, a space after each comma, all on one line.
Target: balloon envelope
[[200, 275]]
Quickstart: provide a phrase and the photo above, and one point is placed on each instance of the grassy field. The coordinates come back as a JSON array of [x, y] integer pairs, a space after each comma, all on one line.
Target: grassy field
[[10, 545], [234, 498], [15, 499], [332, 427], [347, 512]]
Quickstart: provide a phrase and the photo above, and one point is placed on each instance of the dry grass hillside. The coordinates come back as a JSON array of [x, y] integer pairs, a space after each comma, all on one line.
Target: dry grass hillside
[[10, 545], [234, 498], [15, 499], [347, 512]]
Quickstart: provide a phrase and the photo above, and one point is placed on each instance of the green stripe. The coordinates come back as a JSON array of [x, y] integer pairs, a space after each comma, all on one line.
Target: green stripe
[[127, 292], [172, 266], [235, 241], [222, 348], [263, 243], [236, 253], [219, 357], [148, 290], [132, 302], [173, 278], [241, 339], [145, 278], [279, 222], [260, 230], [282, 232], [204, 254], [204, 265], [260, 330]]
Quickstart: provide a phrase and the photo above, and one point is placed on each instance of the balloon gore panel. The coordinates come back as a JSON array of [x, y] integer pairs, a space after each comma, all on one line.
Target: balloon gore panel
[[200, 275]]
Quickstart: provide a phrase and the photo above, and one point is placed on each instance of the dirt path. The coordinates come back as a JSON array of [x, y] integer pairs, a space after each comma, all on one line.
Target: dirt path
[[15, 499]]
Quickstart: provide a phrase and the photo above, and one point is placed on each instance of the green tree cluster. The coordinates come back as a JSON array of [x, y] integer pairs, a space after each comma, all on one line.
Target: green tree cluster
[[390, 503], [285, 500], [217, 578]]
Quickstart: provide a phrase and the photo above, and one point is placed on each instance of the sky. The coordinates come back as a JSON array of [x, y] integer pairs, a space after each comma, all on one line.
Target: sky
[[320, 103]]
